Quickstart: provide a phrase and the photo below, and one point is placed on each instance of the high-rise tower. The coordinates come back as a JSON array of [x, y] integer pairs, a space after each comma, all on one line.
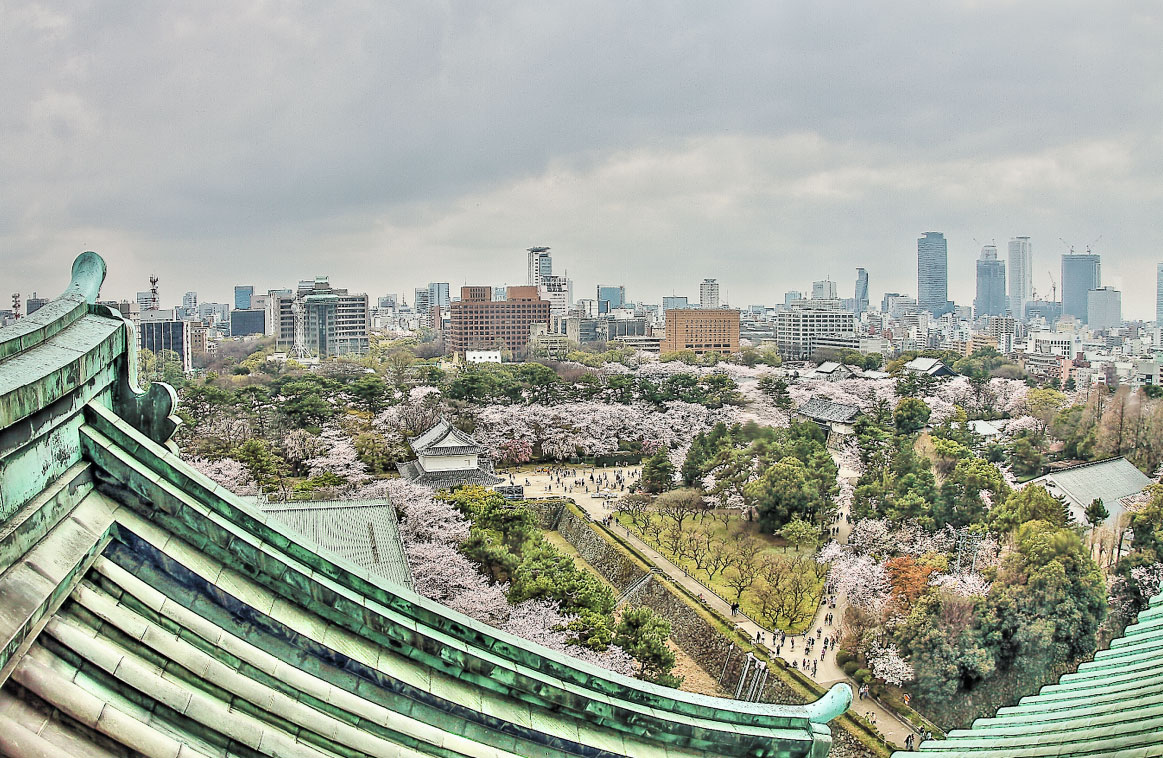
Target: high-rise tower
[[1081, 273], [709, 294], [991, 284], [539, 264], [1159, 294], [1020, 275], [933, 273], [861, 291]]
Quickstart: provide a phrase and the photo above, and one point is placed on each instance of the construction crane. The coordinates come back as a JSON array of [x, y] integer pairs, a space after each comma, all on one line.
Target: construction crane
[[1053, 287]]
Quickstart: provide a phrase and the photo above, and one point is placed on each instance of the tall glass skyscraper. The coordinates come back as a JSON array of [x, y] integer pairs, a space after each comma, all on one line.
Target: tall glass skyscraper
[[933, 273], [1159, 294], [1081, 273], [991, 284], [1021, 276], [861, 291]]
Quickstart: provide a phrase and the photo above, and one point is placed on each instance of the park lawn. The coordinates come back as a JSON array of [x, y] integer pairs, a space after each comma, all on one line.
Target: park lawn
[[736, 528]]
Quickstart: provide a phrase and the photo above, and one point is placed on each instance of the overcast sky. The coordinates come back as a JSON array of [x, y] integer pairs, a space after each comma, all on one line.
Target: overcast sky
[[391, 144]]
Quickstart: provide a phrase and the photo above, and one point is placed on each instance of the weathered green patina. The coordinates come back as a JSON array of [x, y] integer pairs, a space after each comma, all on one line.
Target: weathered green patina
[[145, 609]]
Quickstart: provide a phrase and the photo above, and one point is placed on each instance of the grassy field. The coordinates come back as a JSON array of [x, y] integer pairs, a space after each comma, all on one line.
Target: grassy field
[[732, 531]]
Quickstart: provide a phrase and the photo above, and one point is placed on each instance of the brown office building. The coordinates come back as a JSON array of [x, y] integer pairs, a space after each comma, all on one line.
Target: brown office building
[[703, 330], [477, 322]]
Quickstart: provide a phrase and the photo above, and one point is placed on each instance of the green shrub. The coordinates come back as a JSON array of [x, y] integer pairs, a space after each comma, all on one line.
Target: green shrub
[[850, 667], [863, 676], [843, 656]]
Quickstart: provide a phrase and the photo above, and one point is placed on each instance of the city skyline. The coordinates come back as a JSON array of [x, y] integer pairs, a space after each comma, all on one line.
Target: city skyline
[[654, 150]]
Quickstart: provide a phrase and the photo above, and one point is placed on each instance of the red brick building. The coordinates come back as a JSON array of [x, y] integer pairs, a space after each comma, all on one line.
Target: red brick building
[[477, 322]]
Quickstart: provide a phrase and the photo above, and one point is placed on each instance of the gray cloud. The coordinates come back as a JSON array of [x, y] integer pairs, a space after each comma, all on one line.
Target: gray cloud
[[389, 145]]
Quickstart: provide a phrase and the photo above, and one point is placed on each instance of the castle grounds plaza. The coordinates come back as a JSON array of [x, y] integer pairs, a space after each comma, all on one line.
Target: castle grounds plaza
[[594, 488]]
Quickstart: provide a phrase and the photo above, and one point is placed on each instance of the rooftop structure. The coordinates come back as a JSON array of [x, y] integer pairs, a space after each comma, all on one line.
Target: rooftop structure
[[1111, 480], [930, 366], [147, 610], [446, 457]]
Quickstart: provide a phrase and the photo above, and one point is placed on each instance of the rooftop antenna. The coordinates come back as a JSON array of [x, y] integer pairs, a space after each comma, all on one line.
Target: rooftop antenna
[[153, 294], [15, 305]]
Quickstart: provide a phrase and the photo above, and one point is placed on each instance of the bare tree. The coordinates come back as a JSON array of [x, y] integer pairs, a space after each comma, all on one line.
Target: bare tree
[[679, 505], [696, 547], [745, 562], [637, 507], [719, 557]]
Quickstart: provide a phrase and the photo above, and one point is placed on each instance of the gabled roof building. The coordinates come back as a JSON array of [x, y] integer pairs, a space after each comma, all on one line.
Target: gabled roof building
[[447, 457], [146, 610]]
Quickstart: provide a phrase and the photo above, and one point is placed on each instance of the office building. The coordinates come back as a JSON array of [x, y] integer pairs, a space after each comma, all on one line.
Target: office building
[[387, 303], [244, 322], [933, 273], [34, 304], [190, 305], [1158, 294], [1104, 308], [991, 284], [709, 294], [539, 264], [480, 323], [675, 302], [791, 296], [558, 290], [322, 321], [808, 325], [242, 295], [1020, 275], [824, 290], [422, 305], [1081, 273], [861, 298], [438, 296], [703, 330], [168, 340], [610, 296]]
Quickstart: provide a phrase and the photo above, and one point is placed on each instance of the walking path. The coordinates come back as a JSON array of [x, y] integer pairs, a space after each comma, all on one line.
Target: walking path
[[598, 507]]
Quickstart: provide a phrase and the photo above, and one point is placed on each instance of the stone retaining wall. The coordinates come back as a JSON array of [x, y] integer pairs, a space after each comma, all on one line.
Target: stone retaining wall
[[618, 568]]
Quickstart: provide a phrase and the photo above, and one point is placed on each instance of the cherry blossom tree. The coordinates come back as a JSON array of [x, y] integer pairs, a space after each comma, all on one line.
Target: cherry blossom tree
[[229, 473], [542, 621], [336, 454], [965, 584], [886, 663]]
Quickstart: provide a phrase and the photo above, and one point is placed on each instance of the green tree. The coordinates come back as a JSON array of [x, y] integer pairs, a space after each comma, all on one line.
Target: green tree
[[961, 502], [262, 463], [1047, 602], [370, 392], [784, 491], [800, 533], [1031, 503], [1096, 512], [657, 473], [911, 414], [1025, 457], [642, 634]]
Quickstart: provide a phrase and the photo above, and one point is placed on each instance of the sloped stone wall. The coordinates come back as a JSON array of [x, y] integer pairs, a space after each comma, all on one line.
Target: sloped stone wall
[[618, 568]]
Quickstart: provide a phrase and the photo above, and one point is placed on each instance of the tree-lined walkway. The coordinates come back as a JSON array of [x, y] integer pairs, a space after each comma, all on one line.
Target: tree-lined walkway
[[597, 507]]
